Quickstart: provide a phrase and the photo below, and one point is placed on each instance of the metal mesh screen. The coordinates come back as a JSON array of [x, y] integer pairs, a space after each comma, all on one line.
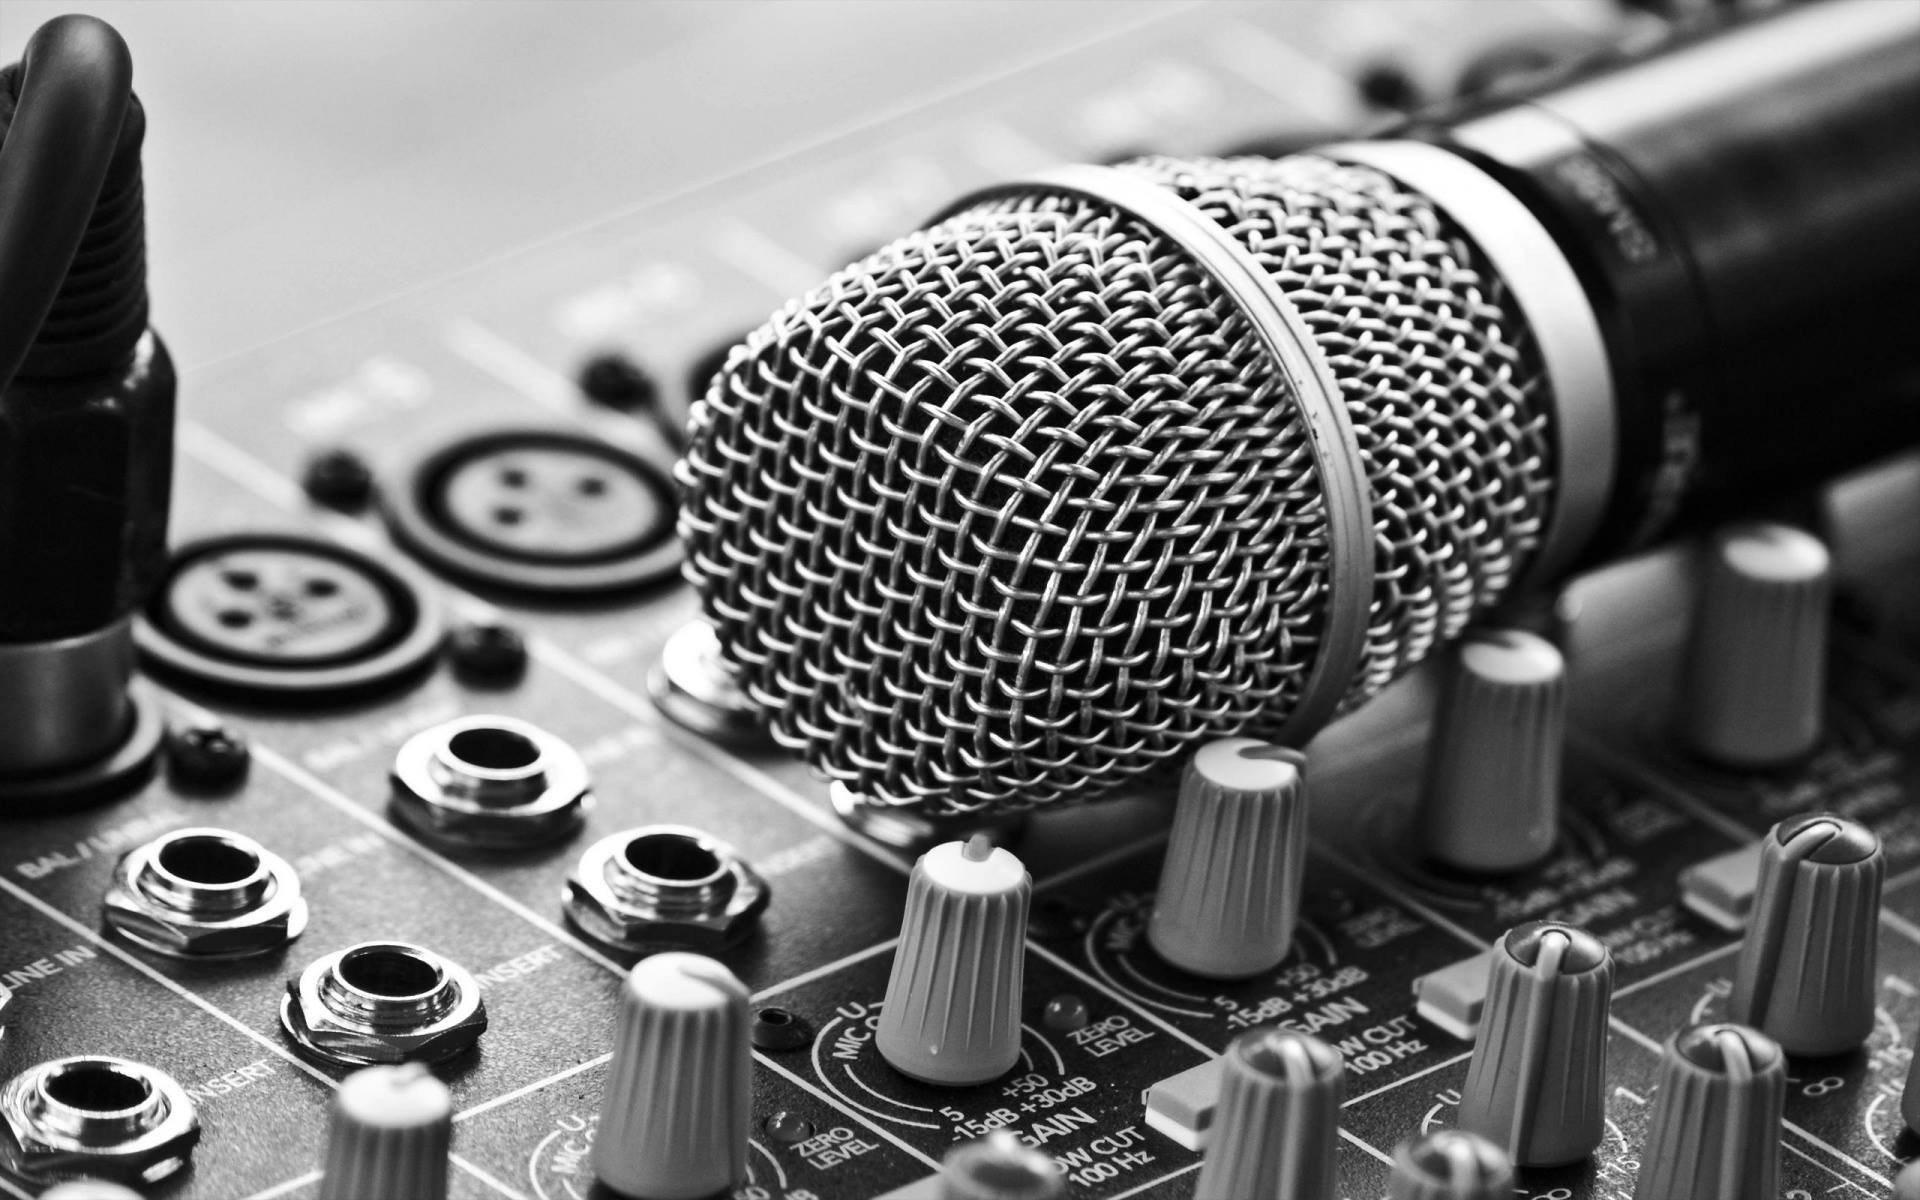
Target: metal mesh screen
[[1016, 510]]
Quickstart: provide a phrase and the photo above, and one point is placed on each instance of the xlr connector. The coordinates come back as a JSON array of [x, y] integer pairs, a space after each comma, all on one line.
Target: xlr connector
[[86, 420]]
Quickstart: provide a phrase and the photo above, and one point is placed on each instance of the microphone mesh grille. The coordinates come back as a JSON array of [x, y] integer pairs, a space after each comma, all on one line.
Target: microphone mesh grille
[[1017, 510]]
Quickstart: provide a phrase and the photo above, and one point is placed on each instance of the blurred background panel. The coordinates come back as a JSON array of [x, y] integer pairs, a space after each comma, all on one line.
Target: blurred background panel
[[309, 157]]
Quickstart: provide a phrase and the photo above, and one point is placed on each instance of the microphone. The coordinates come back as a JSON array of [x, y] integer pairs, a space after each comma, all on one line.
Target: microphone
[[1103, 464]]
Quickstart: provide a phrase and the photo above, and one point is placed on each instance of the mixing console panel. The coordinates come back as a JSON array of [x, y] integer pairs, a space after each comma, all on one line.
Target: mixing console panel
[[310, 654]]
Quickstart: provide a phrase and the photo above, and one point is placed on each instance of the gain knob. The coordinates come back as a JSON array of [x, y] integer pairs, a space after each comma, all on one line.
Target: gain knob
[[673, 1120], [999, 1167], [1714, 1133], [1492, 796], [1451, 1164], [1910, 1100], [1229, 892], [1536, 1085], [1805, 975], [1906, 1185], [1757, 661], [389, 1135], [1278, 1121], [952, 1012]]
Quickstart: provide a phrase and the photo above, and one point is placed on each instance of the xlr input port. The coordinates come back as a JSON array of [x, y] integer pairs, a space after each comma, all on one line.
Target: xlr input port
[[287, 617], [541, 511], [95, 1118]]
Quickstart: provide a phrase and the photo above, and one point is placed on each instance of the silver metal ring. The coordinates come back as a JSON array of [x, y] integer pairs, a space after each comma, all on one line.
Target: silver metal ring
[[1556, 309], [1330, 438]]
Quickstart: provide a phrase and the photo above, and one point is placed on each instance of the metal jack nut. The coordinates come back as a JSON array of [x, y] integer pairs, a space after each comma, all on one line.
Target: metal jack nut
[[665, 887], [489, 781], [384, 1002], [95, 1117], [205, 894]]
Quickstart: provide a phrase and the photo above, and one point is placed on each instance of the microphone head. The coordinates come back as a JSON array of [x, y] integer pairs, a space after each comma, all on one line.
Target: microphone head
[[1020, 509]]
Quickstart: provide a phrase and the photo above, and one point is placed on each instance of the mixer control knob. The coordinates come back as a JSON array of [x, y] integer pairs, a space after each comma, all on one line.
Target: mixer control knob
[[1451, 1164], [1000, 1167], [1910, 1102], [952, 1013], [1492, 793], [1805, 976], [389, 1135], [1278, 1119], [1536, 1085], [1229, 891], [673, 1121], [1715, 1129], [1756, 669]]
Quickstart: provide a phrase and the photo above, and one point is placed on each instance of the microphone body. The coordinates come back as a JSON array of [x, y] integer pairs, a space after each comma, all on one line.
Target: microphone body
[[1107, 463], [1741, 210]]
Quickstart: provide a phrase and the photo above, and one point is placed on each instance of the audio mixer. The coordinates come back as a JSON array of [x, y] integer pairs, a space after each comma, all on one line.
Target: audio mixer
[[430, 743]]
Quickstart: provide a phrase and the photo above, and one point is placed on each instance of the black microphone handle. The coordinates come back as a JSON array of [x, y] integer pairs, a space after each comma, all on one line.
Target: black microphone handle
[[1743, 210]]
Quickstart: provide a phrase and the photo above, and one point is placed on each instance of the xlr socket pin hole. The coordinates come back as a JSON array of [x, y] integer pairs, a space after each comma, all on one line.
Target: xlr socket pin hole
[[98, 1090], [673, 857], [389, 973]]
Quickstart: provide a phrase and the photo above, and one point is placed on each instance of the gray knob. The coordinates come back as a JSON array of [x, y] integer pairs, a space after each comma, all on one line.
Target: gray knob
[[1278, 1119], [952, 1012], [1229, 893], [1536, 1085], [1714, 1133], [1906, 1185], [999, 1167], [388, 1136], [89, 1189], [1451, 1164], [673, 1120], [1805, 975], [1910, 1099], [1757, 661], [1492, 796]]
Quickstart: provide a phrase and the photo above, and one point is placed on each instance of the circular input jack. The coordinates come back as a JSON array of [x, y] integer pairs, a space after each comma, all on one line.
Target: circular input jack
[[489, 782], [384, 1002], [205, 894], [695, 687], [665, 887], [539, 511], [287, 617], [95, 1117]]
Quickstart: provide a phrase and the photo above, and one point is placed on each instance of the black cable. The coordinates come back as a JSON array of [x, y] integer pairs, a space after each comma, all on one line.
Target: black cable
[[76, 83]]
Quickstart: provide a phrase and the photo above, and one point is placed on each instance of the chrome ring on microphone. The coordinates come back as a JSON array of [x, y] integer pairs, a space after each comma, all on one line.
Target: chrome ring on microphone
[[1556, 309], [1330, 436]]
